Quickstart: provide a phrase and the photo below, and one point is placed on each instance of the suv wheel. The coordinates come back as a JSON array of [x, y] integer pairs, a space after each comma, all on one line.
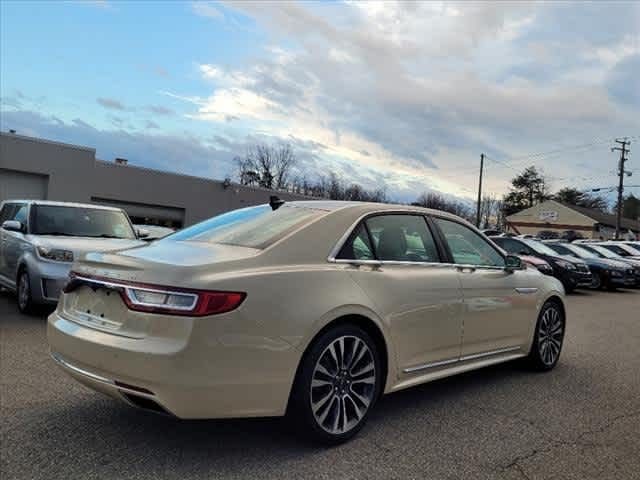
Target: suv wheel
[[337, 385], [25, 300], [548, 337]]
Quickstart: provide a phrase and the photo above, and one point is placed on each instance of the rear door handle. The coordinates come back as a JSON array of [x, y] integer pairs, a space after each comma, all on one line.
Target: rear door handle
[[466, 269]]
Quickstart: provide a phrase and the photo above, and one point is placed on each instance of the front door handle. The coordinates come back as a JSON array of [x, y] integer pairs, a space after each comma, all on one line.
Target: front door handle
[[466, 269]]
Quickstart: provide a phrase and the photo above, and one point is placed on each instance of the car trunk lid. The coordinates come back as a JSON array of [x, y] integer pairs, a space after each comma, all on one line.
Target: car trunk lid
[[98, 301]]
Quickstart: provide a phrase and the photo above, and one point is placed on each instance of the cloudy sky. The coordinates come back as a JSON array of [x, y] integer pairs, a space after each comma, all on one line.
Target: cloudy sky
[[404, 95]]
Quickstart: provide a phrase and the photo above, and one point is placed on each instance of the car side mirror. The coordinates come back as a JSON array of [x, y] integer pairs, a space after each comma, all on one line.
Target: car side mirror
[[142, 233], [13, 226], [512, 263]]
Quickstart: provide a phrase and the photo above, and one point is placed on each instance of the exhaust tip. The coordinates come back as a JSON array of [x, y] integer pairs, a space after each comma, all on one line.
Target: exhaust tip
[[145, 403], [133, 387]]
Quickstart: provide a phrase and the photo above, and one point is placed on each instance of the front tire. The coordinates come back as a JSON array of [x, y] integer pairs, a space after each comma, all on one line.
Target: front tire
[[25, 299], [596, 281], [548, 337], [337, 385]]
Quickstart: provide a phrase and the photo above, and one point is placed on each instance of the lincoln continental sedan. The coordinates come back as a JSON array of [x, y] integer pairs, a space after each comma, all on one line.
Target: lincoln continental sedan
[[307, 309]]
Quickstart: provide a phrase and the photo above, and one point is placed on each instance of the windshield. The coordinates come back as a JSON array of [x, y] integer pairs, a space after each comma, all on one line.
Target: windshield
[[81, 222], [255, 227], [561, 249], [623, 250], [604, 252], [538, 247], [632, 249], [581, 252]]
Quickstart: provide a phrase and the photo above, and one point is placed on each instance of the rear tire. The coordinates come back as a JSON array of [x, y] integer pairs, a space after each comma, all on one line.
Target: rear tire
[[23, 290], [596, 282], [338, 382], [548, 337]]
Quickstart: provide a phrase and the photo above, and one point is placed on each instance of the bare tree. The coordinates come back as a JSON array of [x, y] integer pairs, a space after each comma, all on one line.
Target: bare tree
[[439, 202], [266, 166], [490, 208]]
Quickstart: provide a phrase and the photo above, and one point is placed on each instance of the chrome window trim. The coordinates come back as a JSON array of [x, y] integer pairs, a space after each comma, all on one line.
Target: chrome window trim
[[464, 358], [338, 246], [380, 263], [126, 288]]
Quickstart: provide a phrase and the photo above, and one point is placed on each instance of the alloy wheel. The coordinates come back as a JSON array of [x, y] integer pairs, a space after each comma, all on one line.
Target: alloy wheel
[[343, 384], [596, 282], [550, 335]]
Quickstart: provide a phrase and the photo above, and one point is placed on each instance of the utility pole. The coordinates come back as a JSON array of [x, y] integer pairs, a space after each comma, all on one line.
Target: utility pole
[[480, 191], [621, 173]]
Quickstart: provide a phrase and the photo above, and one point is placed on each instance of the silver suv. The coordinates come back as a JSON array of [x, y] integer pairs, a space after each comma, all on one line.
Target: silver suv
[[40, 239]]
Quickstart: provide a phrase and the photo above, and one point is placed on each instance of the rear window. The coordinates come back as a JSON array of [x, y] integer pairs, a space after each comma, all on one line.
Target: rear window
[[254, 227], [81, 222]]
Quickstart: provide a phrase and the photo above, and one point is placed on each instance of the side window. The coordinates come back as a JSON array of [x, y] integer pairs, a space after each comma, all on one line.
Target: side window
[[515, 247], [21, 214], [403, 238], [7, 212], [358, 247], [467, 247]]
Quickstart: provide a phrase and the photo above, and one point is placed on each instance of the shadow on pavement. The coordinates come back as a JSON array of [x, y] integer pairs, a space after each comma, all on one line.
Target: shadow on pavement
[[94, 425]]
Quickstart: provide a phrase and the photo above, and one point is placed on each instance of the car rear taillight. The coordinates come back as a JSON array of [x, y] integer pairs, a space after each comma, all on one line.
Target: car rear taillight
[[143, 297]]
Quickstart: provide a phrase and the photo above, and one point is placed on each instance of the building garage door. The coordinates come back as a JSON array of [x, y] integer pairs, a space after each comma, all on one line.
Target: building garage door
[[143, 213], [22, 185]]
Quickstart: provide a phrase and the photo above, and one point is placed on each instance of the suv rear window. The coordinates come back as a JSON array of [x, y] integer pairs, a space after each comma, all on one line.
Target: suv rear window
[[254, 227]]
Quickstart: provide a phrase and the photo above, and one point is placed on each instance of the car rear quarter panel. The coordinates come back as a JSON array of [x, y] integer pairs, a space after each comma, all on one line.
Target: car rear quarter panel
[[294, 303]]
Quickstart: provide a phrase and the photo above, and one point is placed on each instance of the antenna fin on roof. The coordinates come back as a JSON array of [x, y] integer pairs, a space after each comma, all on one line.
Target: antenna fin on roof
[[275, 203]]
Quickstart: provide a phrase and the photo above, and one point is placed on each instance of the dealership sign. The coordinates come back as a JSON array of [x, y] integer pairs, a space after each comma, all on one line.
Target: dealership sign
[[548, 215]]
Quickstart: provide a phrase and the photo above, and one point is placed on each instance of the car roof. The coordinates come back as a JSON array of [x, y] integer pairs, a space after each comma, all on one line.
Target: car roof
[[367, 207], [62, 204]]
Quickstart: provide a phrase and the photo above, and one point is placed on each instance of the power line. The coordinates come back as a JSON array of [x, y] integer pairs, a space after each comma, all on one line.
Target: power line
[[534, 156], [540, 155]]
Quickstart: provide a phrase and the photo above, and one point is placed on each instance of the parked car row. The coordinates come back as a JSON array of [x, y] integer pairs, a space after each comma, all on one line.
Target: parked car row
[[580, 264], [310, 309]]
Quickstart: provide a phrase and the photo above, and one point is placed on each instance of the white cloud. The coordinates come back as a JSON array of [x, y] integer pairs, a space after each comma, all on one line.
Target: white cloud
[[424, 87], [236, 103], [609, 56]]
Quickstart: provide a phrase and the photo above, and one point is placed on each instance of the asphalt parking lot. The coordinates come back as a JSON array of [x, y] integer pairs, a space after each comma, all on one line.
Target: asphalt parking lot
[[580, 421]]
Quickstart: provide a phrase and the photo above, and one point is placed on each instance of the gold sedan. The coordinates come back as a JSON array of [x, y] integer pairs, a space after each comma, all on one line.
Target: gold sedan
[[310, 309]]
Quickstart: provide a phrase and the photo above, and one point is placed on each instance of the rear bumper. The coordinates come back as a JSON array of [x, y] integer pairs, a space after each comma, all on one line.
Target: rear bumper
[[130, 393], [223, 366]]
